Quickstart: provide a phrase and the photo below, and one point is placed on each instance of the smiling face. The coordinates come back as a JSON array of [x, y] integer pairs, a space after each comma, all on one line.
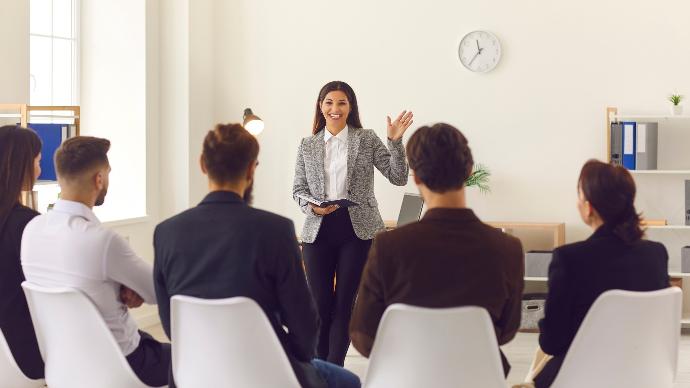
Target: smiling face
[[335, 108]]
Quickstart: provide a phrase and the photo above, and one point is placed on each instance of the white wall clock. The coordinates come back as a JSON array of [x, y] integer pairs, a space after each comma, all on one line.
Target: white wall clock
[[479, 51]]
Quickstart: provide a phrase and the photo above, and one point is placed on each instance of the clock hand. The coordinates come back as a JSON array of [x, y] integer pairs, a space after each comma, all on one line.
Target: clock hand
[[480, 50], [473, 58]]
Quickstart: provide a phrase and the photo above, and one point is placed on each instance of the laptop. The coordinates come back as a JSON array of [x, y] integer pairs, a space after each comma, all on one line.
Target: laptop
[[411, 209]]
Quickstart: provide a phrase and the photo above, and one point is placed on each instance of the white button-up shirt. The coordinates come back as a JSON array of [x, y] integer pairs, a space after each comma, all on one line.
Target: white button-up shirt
[[335, 164], [68, 247]]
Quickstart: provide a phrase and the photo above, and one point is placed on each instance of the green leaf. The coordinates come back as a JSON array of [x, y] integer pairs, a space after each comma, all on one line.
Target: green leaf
[[479, 178]]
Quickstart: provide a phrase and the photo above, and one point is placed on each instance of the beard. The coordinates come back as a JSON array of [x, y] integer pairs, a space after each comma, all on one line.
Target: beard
[[248, 197], [101, 197]]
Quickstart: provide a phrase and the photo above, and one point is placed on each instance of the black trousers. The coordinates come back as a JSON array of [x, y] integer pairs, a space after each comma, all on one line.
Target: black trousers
[[150, 361], [547, 375], [337, 255]]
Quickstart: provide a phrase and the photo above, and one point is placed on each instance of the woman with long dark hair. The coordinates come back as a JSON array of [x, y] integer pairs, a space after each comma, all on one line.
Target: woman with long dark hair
[[20, 154], [615, 256], [337, 162]]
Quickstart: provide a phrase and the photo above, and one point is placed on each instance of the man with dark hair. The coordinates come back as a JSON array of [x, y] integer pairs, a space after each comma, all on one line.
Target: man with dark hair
[[447, 259], [224, 248], [68, 247]]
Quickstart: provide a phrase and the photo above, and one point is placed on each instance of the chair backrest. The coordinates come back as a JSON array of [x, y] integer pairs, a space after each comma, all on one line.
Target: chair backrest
[[78, 348], [10, 374], [628, 339], [420, 347], [228, 342]]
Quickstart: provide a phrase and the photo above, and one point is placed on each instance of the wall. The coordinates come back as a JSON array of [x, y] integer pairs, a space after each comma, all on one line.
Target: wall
[[533, 121], [14, 40], [113, 97]]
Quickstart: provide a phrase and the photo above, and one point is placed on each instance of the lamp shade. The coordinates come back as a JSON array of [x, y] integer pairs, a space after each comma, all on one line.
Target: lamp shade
[[252, 122]]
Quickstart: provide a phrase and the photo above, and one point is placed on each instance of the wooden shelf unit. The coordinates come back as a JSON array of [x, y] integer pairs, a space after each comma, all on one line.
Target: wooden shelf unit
[[612, 115], [25, 113]]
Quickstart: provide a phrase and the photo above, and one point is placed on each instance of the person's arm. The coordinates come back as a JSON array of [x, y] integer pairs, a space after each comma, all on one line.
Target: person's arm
[[370, 304], [297, 308], [556, 331], [391, 161], [123, 266], [160, 285], [300, 185], [509, 322]]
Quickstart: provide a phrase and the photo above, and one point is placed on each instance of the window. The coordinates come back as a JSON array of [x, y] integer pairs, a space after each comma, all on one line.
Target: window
[[54, 52], [53, 66]]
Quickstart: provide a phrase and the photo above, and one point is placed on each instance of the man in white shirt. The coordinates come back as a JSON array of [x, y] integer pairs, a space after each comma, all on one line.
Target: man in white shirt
[[68, 247]]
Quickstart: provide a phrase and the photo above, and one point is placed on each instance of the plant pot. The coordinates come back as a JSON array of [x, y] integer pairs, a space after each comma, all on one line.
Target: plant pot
[[677, 110]]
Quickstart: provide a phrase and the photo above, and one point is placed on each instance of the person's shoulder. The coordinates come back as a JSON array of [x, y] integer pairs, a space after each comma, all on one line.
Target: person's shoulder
[[268, 219], [401, 236], [577, 249], [501, 240], [311, 138], [21, 215], [364, 132], [175, 220], [654, 248]]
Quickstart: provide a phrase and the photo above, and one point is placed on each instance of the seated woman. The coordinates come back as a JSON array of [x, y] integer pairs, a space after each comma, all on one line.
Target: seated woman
[[20, 154], [614, 257]]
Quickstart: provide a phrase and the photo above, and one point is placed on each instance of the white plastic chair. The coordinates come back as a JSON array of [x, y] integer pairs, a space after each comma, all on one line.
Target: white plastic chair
[[10, 374], [423, 347], [78, 348], [226, 342], [628, 339]]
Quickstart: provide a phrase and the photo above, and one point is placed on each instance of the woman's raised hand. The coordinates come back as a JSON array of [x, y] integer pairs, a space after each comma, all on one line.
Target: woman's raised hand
[[397, 128]]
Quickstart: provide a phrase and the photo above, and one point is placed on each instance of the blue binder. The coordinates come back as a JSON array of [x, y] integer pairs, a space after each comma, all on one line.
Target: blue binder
[[629, 144], [51, 136]]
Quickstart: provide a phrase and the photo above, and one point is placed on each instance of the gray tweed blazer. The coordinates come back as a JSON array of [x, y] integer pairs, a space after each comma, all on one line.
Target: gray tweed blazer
[[364, 152]]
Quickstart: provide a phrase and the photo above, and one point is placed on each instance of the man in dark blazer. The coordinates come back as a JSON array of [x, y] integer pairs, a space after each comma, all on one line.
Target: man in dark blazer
[[225, 248], [449, 258]]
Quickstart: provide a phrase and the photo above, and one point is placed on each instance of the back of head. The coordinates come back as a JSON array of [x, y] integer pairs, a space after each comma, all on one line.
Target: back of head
[[440, 157], [19, 147], [228, 151], [77, 159], [611, 192]]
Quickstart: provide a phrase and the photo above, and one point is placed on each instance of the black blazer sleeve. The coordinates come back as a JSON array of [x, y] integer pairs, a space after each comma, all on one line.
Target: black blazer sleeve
[[297, 308], [159, 282], [556, 330]]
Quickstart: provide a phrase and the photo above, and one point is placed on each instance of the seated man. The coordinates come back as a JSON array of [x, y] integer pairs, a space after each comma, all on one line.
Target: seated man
[[68, 247], [224, 248], [447, 259]]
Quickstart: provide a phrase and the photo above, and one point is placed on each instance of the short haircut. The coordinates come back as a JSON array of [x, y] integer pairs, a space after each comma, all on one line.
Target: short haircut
[[228, 151], [80, 155], [440, 157]]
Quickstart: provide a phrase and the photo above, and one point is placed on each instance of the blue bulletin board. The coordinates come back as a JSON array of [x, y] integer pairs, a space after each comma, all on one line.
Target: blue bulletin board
[[52, 136]]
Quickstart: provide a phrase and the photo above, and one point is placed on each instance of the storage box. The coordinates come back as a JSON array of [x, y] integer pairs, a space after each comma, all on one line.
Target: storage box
[[685, 259], [532, 312], [537, 263]]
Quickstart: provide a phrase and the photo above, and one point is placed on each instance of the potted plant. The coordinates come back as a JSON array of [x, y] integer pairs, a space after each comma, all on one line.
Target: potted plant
[[479, 178], [676, 109]]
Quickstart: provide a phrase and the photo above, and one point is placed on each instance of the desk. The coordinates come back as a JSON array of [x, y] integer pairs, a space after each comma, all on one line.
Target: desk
[[557, 229]]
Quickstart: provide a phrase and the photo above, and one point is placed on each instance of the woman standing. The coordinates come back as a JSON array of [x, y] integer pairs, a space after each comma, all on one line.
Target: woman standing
[[20, 154], [337, 162]]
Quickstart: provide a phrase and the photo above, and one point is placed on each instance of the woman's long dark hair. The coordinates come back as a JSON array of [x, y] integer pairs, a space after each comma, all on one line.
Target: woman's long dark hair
[[352, 118], [611, 192], [18, 149]]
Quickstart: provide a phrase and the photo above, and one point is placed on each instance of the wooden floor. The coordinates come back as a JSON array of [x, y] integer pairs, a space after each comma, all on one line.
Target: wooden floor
[[519, 352]]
